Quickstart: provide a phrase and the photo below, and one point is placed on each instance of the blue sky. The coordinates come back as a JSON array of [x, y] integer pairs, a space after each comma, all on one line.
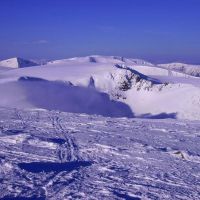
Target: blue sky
[[156, 30]]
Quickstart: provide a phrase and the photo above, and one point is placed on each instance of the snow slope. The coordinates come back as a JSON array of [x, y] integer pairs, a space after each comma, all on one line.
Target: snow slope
[[147, 90], [54, 155], [17, 63], [55, 95], [2, 69], [193, 70]]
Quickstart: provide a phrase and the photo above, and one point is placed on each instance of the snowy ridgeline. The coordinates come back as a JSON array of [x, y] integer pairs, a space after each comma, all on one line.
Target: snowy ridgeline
[[17, 63], [102, 85], [54, 155], [193, 70]]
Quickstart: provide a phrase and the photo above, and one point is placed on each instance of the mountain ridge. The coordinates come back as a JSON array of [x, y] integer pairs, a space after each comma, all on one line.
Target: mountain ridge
[[17, 62]]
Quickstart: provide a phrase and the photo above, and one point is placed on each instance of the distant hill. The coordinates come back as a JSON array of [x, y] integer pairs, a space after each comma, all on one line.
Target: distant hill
[[193, 70], [17, 63]]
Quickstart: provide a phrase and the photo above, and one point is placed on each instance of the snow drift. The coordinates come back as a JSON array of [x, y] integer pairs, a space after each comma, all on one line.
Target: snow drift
[[30, 92]]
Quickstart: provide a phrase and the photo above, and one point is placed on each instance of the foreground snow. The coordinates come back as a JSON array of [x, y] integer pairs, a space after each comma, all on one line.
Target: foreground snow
[[54, 155]]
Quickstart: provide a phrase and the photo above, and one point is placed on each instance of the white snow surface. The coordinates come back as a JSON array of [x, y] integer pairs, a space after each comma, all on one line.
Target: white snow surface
[[55, 155], [193, 70], [129, 85]]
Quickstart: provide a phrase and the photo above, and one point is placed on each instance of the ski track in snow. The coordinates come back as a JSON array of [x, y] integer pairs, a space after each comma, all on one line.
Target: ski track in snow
[[55, 155]]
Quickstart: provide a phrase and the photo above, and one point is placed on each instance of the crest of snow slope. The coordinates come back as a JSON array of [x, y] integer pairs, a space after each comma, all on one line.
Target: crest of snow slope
[[79, 69], [142, 87], [102, 59], [17, 63], [193, 70]]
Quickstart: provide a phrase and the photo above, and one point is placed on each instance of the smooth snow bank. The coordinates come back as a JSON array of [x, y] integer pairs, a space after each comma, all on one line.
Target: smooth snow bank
[[179, 79], [180, 101], [193, 70], [65, 71], [157, 71], [17, 63]]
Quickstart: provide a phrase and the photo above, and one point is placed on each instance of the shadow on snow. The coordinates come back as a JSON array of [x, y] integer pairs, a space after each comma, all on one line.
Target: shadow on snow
[[55, 95], [37, 167]]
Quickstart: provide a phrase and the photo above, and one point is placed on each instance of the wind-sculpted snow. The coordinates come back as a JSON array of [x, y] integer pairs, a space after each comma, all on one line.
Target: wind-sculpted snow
[[29, 92], [54, 155]]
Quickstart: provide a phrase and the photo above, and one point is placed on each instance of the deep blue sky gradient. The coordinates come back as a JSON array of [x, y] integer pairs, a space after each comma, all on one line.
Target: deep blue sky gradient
[[156, 30]]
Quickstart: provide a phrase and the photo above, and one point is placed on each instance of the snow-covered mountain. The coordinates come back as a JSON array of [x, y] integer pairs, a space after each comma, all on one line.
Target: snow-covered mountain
[[112, 83], [193, 70], [103, 60], [17, 63]]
